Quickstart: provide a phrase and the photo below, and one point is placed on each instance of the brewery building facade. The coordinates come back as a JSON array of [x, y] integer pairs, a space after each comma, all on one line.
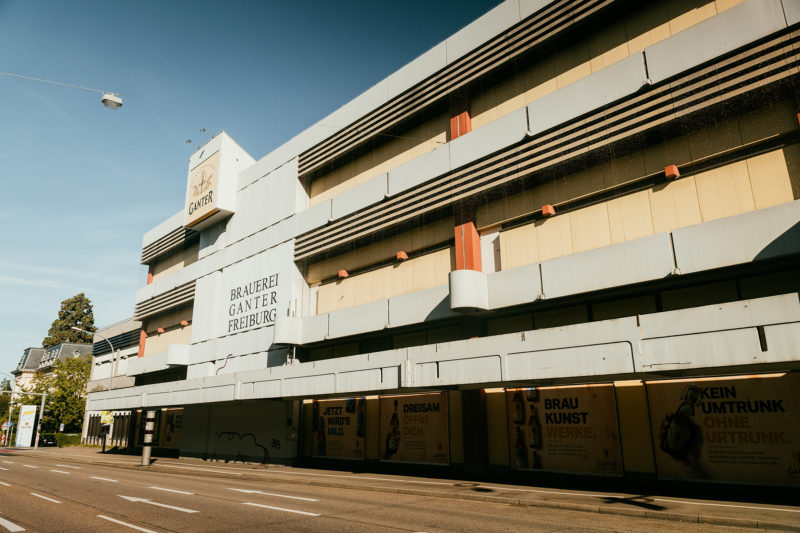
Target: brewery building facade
[[565, 239]]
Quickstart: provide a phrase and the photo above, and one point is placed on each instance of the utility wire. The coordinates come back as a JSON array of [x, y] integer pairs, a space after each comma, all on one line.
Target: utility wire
[[53, 82]]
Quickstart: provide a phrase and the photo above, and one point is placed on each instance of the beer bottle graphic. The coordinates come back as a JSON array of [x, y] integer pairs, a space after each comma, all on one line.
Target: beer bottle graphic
[[517, 408], [534, 429]]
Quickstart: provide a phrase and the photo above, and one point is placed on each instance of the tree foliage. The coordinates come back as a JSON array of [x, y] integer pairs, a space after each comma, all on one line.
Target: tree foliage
[[66, 393], [5, 399], [75, 311]]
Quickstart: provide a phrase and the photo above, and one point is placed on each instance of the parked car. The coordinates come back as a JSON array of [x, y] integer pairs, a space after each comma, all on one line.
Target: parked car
[[47, 440]]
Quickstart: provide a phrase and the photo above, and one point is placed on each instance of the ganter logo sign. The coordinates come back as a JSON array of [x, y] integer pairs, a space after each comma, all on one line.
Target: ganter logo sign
[[201, 192]]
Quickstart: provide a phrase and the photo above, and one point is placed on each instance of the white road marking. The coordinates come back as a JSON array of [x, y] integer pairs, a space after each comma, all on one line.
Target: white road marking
[[1, 468], [280, 509], [60, 472], [239, 471], [44, 497], [173, 490], [6, 484], [104, 479], [150, 502], [30, 466], [9, 462], [69, 466], [273, 494], [10, 526], [729, 505], [104, 517]]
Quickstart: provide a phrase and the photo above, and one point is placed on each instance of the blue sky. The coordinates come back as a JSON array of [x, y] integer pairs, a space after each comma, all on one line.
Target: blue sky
[[81, 183]]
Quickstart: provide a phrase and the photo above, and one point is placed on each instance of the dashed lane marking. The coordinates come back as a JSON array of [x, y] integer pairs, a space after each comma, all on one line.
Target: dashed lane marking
[[120, 522], [4, 484], [10, 526], [247, 491], [173, 490], [280, 509], [9, 462], [30, 466], [69, 466], [44, 497], [104, 479], [60, 472], [1, 468], [151, 502]]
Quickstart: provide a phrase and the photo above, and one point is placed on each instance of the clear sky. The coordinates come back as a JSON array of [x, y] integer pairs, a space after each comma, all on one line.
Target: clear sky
[[80, 184]]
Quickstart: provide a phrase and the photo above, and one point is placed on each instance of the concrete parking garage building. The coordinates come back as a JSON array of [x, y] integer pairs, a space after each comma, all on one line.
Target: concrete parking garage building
[[564, 239]]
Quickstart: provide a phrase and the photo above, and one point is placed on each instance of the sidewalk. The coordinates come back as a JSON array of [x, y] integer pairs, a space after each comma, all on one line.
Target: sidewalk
[[762, 508]]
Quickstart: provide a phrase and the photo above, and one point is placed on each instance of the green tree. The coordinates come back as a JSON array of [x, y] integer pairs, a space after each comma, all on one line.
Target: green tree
[[5, 399], [66, 393], [75, 311]]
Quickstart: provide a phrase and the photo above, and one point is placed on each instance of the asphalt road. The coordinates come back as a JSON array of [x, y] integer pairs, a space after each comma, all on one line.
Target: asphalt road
[[51, 491]]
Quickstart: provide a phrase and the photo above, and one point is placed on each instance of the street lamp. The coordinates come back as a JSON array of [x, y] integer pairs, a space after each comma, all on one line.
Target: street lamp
[[110, 100], [113, 353]]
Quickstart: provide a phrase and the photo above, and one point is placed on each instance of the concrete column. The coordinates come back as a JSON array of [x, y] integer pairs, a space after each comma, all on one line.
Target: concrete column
[[150, 418]]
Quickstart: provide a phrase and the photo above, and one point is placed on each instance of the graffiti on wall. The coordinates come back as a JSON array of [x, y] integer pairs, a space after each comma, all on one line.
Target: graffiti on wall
[[232, 446]]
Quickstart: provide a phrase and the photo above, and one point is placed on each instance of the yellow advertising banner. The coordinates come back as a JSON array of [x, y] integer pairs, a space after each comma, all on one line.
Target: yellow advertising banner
[[564, 429], [339, 427], [414, 428], [727, 429]]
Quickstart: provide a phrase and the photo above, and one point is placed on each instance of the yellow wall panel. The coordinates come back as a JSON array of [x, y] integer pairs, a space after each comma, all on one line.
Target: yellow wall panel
[[159, 342], [429, 235], [518, 246], [674, 205], [553, 237], [724, 191], [419, 273], [630, 217], [417, 141], [590, 228], [769, 177]]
